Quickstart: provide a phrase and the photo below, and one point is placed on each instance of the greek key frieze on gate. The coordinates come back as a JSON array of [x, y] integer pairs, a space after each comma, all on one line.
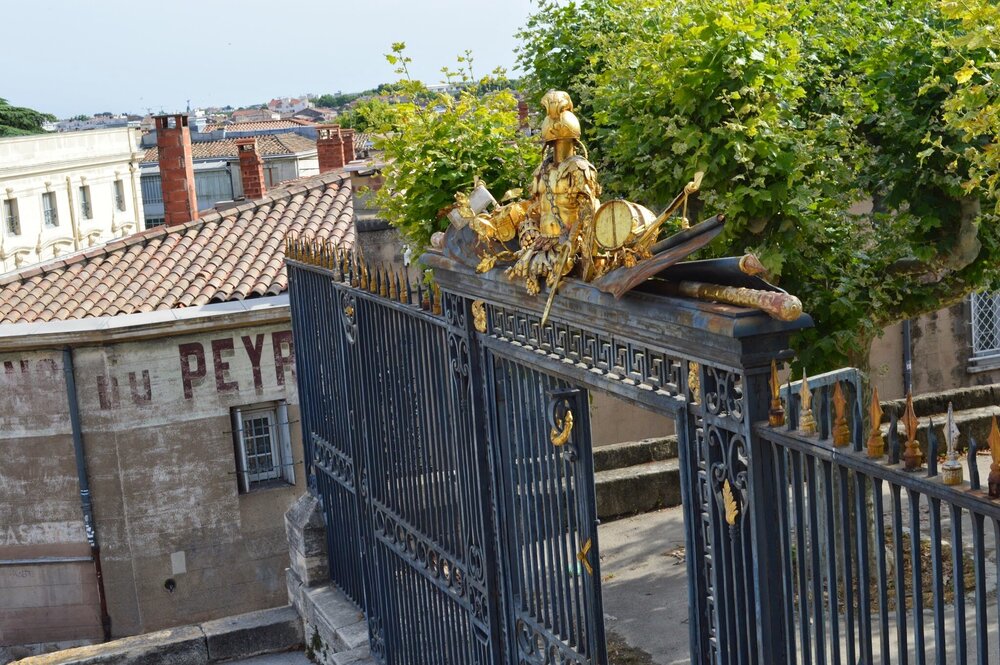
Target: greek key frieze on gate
[[612, 355]]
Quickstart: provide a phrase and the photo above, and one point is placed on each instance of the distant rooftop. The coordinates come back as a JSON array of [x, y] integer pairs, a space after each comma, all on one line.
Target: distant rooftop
[[268, 145], [256, 126], [235, 254]]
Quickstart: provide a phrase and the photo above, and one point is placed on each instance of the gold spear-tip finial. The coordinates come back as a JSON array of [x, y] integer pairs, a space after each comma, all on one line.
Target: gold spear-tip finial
[[776, 414], [807, 424], [912, 457], [841, 432], [876, 444], [994, 478]]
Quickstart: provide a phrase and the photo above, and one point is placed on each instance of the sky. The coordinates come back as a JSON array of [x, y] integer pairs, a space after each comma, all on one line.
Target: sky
[[68, 57]]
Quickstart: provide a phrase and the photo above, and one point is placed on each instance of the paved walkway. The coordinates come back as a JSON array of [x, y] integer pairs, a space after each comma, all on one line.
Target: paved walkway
[[645, 583]]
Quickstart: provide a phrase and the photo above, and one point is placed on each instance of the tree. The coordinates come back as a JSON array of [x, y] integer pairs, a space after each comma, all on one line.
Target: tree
[[437, 148], [797, 112], [21, 121]]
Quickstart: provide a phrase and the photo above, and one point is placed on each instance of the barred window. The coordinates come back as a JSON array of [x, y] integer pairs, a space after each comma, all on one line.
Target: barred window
[[49, 211], [985, 325], [120, 195], [85, 209], [152, 222], [11, 218], [263, 446], [151, 191]]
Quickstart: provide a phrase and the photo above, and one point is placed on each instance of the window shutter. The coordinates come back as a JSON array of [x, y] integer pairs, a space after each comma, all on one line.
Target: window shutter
[[287, 463], [241, 470]]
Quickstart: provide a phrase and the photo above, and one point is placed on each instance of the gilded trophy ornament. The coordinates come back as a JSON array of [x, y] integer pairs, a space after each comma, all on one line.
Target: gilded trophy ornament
[[563, 229]]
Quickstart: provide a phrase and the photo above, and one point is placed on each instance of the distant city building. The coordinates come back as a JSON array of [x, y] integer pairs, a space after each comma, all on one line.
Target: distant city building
[[63, 192], [253, 115], [288, 105], [217, 170]]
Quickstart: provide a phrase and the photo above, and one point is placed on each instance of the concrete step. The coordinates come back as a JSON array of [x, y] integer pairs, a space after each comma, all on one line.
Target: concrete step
[[931, 404], [631, 453], [637, 489], [974, 422]]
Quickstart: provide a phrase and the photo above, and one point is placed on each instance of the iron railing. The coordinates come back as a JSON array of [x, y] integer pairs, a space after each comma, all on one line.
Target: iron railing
[[877, 564]]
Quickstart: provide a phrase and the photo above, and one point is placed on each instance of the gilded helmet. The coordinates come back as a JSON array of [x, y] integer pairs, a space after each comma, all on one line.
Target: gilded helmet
[[560, 122]]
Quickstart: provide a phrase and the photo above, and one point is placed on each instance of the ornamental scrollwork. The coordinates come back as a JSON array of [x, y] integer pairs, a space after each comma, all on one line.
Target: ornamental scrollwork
[[723, 393], [348, 315]]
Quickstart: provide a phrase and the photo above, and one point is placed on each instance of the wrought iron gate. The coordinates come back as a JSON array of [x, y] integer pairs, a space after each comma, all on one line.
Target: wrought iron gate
[[458, 489], [540, 434]]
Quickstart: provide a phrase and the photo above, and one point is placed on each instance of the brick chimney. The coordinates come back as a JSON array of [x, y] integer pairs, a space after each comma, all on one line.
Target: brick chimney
[[251, 169], [173, 143], [329, 147], [522, 114], [348, 136]]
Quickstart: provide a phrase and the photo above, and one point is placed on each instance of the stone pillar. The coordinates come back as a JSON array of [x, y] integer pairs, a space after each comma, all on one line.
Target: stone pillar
[[306, 534]]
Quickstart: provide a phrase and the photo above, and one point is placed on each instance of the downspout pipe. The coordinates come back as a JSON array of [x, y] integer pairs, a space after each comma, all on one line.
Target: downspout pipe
[[85, 501], [907, 357]]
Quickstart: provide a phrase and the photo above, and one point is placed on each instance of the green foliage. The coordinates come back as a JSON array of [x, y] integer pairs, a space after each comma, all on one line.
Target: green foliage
[[337, 101], [797, 112], [20, 121], [367, 114], [436, 148]]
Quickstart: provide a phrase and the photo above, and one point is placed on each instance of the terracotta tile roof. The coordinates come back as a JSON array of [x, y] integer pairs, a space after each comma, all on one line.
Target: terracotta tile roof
[[269, 145], [226, 255], [258, 125]]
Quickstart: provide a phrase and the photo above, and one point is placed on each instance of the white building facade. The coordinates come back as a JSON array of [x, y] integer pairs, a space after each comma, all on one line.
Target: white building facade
[[64, 192]]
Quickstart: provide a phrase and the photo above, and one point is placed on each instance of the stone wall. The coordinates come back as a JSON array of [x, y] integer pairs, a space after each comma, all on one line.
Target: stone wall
[[162, 464]]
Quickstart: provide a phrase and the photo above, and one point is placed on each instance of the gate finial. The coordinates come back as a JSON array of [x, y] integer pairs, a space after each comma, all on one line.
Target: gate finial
[[912, 457], [876, 444], [841, 432], [994, 477], [776, 414], [807, 424]]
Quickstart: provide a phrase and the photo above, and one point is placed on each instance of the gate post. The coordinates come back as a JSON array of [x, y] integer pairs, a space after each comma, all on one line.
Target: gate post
[[766, 555]]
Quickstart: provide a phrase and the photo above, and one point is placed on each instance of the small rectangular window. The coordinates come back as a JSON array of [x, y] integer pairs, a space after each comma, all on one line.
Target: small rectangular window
[[11, 219], [120, 195], [263, 446], [152, 222], [49, 210], [85, 210]]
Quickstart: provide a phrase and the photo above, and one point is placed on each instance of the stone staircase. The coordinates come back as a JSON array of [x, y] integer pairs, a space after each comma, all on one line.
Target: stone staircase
[[636, 477], [973, 407]]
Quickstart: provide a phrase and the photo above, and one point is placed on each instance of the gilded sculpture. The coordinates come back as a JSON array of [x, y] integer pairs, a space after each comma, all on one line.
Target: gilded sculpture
[[563, 229]]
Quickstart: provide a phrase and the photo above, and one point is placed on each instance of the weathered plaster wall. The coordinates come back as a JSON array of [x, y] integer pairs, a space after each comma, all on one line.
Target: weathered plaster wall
[[40, 510], [162, 467], [942, 346]]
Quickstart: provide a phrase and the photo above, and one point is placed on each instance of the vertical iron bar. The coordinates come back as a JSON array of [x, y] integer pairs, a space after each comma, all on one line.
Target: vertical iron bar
[[937, 580], [864, 572], [832, 589], [819, 623], [958, 575], [918, 587], [979, 559], [845, 553], [805, 618], [899, 555]]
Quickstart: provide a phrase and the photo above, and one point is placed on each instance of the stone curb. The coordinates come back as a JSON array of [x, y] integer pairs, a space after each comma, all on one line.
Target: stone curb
[[240, 636]]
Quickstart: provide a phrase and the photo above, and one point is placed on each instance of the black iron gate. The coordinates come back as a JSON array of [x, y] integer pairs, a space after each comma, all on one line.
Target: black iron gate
[[447, 437], [540, 435]]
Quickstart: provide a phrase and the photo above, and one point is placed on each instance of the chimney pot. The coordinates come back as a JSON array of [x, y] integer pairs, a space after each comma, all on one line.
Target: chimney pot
[[251, 168], [173, 142], [329, 148]]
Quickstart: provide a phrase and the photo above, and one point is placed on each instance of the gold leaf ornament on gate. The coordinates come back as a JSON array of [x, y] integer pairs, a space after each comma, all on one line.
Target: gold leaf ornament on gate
[[479, 315], [583, 556], [729, 503], [560, 434]]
